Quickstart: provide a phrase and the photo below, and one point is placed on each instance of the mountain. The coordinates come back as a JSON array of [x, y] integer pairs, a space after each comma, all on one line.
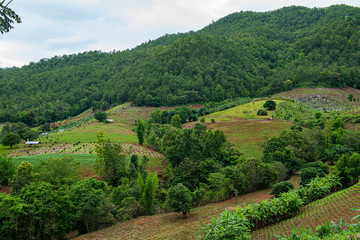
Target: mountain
[[243, 54]]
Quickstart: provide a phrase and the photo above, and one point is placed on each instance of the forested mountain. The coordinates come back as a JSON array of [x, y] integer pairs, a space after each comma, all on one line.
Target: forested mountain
[[243, 54]]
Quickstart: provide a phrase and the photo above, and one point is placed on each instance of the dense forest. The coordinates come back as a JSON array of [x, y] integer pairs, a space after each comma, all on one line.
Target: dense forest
[[245, 54]]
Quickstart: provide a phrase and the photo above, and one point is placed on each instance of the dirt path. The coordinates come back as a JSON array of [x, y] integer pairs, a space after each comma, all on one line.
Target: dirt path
[[172, 225]]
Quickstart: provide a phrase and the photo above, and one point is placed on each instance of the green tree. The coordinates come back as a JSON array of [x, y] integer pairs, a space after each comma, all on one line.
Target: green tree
[[7, 17], [348, 168], [11, 139], [148, 190], [60, 171], [351, 97], [110, 162], [100, 116], [310, 173], [140, 131], [7, 169], [176, 121], [270, 105], [179, 199], [94, 208], [23, 176], [51, 214]]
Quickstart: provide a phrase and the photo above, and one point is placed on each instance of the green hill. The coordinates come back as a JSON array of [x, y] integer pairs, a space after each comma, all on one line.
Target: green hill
[[243, 54]]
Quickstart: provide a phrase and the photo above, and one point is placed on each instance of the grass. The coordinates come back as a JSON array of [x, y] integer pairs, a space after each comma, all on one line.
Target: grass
[[244, 128]]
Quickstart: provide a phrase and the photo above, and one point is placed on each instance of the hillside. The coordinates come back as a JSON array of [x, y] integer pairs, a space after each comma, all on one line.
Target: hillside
[[243, 54]]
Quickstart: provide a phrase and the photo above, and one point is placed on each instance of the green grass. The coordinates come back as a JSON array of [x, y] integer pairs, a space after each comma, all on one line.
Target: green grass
[[118, 133], [245, 111]]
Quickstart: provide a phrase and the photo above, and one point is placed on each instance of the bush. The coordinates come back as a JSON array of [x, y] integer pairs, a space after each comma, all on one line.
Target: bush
[[202, 120], [212, 120], [100, 116], [281, 187], [262, 112], [324, 167], [228, 226], [307, 174]]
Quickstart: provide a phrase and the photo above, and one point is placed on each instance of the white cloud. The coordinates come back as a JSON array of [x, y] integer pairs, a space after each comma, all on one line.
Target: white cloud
[[60, 27]]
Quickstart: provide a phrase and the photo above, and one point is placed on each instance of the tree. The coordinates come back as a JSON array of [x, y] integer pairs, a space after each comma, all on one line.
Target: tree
[[179, 199], [309, 173], [140, 131], [7, 17], [270, 105], [60, 171], [7, 169], [11, 139], [148, 189], [93, 206], [110, 162], [23, 176], [176, 121], [100, 116]]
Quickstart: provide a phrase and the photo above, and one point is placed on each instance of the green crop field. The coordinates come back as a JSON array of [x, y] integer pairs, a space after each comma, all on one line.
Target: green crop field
[[334, 207]]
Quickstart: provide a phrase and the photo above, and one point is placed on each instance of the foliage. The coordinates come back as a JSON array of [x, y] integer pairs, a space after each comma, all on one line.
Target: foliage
[[11, 139], [7, 17], [348, 168], [262, 112], [7, 169], [270, 105], [93, 207], [140, 131], [229, 225], [176, 121], [59, 171], [324, 167], [148, 189], [40, 211], [281, 187], [24, 175], [179, 199], [100, 116], [309, 173]]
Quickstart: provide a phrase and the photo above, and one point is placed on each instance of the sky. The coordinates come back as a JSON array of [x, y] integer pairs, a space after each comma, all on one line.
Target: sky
[[57, 27]]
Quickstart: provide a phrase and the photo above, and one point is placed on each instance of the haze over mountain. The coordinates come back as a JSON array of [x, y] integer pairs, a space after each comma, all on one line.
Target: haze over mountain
[[245, 54]]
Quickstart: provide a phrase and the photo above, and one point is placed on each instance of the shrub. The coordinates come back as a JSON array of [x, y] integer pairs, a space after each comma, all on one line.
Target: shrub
[[212, 120], [100, 116], [281, 187], [262, 112], [202, 120], [228, 226], [324, 167], [307, 174]]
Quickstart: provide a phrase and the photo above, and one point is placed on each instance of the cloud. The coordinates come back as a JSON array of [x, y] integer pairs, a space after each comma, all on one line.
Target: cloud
[[60, 27]]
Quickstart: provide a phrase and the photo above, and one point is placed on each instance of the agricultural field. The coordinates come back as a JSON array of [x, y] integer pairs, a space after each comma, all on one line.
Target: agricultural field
[[334, 207], [244, 128], [173, 225]]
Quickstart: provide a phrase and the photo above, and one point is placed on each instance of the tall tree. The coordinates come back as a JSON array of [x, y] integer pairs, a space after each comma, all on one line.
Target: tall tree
[[7, 17]]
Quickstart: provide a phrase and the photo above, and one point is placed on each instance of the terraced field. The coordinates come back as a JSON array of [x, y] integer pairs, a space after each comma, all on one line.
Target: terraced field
[[334, 207]]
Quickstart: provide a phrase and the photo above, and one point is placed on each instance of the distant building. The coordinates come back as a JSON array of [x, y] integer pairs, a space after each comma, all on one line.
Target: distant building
[[32, 143], [44, 133], [109, 120], [61, 130]]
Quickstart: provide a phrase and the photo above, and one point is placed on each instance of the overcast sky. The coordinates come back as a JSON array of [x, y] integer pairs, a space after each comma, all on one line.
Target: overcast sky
[[57, 27]]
